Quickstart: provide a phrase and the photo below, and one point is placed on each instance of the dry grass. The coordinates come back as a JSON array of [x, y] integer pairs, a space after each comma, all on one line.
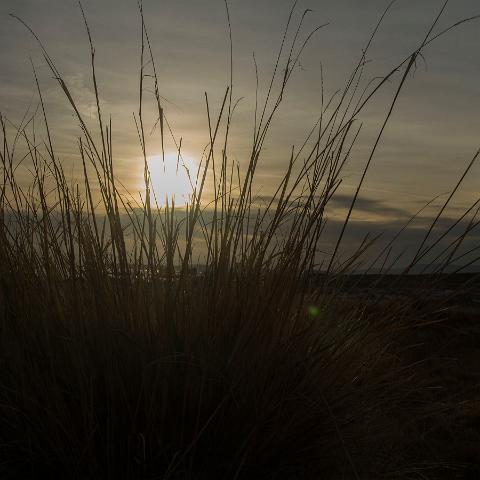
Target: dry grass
[[118, 362]]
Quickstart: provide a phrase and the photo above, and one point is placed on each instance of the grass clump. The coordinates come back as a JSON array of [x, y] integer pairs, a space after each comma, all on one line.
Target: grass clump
[[120, 360]]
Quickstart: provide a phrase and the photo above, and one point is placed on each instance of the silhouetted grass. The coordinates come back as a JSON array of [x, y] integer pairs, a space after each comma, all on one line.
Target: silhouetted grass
[[119, 361]]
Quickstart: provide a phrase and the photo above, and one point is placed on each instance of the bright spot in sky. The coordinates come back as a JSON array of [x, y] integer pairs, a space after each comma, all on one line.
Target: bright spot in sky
[[173, 179]]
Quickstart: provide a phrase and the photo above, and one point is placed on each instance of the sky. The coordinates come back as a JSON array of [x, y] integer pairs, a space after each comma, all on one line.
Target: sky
[[432, 135]]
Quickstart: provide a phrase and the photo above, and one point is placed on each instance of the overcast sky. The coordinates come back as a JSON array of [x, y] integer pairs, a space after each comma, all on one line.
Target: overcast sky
[[434, 132]]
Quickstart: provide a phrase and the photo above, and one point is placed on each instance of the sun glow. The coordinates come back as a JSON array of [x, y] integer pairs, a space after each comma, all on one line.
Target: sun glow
[[172, 180]]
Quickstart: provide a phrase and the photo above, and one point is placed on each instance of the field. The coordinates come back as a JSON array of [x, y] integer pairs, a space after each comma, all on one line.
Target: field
[[140, 339]]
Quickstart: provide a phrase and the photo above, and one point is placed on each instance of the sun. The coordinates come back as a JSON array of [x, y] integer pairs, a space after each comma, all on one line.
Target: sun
[[172, 180]]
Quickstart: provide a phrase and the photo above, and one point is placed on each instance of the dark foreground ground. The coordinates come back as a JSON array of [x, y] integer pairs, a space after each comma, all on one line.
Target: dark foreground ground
[[452, 352], [448, 350]]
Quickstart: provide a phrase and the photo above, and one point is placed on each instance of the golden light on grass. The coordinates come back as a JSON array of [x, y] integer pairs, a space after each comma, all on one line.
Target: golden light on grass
[[172, 179]]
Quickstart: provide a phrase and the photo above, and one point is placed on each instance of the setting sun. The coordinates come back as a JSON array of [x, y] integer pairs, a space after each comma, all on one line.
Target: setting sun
[[172, 180]]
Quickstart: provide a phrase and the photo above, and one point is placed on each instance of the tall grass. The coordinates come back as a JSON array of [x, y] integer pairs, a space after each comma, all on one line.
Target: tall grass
[[119, 361]]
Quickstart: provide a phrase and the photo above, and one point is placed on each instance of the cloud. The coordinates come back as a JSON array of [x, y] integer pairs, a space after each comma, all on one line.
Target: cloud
[[431, 134], [370, 207]]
